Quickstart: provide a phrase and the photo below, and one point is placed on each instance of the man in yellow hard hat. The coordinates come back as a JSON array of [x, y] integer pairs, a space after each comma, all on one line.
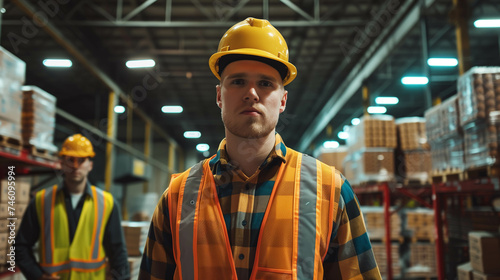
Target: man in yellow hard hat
[[257, 209], [77, 225]]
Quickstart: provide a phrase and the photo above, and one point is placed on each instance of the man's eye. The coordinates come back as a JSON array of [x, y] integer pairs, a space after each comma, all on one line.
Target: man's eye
[[238, 82], [266, 83]]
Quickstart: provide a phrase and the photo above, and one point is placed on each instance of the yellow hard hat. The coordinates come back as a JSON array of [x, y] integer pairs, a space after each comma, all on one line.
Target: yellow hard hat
[[77, 146], [257, 38]]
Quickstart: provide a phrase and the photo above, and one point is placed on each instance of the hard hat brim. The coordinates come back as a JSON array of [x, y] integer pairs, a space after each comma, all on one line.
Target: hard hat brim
[[292, 70], [76, 154]]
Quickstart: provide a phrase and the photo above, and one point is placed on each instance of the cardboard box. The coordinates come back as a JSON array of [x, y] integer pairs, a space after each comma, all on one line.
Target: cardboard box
[[21, 191], [464, 271], [481, 276], [485, 251]]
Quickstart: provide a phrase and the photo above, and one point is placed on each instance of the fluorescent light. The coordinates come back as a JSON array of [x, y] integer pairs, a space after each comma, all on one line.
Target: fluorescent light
[[192, 134], [355, 121], [443, 62], [414, 80], [386, 100], [202, 147], [330, 144], [487, 23], [142, 63], [119, 109], [172, 109], [377, 109], [343, 135], [57, 62]]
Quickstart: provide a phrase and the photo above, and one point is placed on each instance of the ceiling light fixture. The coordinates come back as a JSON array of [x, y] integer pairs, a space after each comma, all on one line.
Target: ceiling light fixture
[[119, 109], [377, 109], [57, 62], [330, 144], [174, 109], [141, 63], [202, 147], [355, 121], [386, 100], [415, 80], [487, 23], [442, 62], [192, 134], [343, 135]]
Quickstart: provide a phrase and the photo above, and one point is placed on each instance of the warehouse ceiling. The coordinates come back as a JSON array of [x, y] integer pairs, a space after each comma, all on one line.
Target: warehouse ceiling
[[337, 45]]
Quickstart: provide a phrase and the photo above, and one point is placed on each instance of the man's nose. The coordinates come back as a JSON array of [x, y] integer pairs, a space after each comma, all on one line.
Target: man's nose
[[251, 94]]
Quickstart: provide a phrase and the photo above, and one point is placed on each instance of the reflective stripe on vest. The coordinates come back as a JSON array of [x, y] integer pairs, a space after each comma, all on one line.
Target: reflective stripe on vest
[[186, 229], [93, 262], [307, 220]]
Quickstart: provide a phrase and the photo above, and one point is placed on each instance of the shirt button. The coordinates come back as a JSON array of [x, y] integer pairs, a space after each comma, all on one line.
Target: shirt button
[[241, 256], [244, 223]]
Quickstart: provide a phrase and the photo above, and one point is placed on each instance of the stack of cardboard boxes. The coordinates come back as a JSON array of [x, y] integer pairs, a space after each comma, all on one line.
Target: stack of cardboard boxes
[[334, 157], [12, 77], [422, 260], [445, 137], [379, 251], [420, 223], [371, 147], [413, 159], [479, 106], [375, 223], [38, 118], [13, 204], [484, 249]]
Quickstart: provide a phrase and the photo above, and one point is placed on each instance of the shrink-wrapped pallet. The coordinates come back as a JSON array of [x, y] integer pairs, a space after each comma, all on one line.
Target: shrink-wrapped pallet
[[373, 131], [38, 118], [370, 165], [412, 134]]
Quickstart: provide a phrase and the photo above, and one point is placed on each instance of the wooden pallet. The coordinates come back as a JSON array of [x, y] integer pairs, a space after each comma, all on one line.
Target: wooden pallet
[[416, 182], [42, 153], [482, 172], [447, 175], [11, 143]]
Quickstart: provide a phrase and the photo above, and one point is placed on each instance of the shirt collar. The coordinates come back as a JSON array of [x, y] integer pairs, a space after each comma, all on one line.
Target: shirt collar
[[87, 190], [222, 159]]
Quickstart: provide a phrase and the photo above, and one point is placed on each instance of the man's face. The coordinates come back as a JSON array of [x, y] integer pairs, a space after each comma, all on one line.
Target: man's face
[[76, 169], [251, 97]]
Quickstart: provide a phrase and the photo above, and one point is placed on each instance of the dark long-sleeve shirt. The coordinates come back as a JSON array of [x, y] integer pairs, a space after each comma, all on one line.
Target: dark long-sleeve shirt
[[113, 243]]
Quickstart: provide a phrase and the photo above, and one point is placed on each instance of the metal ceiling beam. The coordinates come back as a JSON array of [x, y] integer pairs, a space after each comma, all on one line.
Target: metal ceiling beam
[[296, 9], [139, 9], [372, 58], [196, 24], [55, 33]]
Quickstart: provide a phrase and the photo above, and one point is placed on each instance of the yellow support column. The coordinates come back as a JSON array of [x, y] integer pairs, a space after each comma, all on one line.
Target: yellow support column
[[130, 119], [171, 158], [460, 16], [111, 132], [147, 150], [366, 100]]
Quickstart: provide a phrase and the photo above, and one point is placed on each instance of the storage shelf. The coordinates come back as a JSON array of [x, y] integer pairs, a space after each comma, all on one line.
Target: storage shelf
[[23, 160]]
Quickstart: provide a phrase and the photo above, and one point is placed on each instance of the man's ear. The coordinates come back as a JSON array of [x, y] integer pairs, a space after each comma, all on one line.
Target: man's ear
[[283, 101], [91, 164], [219, 99]]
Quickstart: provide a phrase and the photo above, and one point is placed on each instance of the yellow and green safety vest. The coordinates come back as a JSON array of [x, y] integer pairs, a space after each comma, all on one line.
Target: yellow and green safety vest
[[84, 257]]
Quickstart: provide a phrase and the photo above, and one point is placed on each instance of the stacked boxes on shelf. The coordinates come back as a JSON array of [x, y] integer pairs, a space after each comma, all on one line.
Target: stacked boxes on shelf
[[136, 234], [422, 260], [12, 77], [420, 223], [445, 137], [379, 251], [484, 249], [371, 147], [414, 160], [479, 102], [13, 204], [375, 223], [38, 118], [334, 157]]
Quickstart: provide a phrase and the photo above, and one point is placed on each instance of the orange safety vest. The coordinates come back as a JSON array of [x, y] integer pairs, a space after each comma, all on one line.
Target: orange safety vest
[[295, 231], [84, 257]]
